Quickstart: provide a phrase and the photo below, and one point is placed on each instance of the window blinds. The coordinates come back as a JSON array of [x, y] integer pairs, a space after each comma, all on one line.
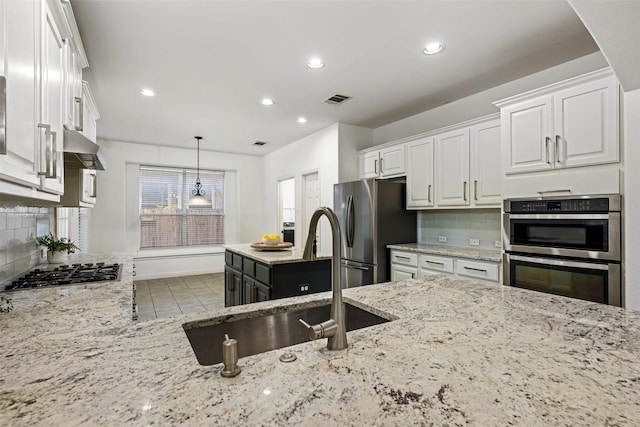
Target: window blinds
[[165, 218]]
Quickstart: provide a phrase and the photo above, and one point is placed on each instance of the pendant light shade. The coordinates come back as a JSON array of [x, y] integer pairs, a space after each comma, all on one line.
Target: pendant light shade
[[197, 199]]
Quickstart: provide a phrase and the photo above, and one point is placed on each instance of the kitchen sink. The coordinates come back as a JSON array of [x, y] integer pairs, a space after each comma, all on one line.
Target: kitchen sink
[[257, 334]]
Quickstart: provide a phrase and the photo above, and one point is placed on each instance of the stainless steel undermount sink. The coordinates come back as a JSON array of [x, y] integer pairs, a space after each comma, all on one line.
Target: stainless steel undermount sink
[[259, 334]]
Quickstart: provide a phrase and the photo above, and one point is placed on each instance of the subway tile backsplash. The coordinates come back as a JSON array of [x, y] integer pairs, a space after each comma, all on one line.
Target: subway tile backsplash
[[458, 226], [18, 249]]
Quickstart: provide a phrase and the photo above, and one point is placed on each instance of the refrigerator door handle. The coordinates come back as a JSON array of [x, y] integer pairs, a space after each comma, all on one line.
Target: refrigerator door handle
[[355, 267], [350, 222]]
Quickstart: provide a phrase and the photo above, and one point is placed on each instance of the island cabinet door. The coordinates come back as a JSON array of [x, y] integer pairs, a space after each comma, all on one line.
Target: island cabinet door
[[232, 287]]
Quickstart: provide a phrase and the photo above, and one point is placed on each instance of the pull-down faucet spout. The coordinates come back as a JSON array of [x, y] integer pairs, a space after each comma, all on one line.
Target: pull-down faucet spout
[[334, 328]]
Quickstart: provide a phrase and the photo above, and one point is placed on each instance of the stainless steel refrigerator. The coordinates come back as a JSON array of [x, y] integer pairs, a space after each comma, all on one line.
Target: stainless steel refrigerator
[[372, 215]]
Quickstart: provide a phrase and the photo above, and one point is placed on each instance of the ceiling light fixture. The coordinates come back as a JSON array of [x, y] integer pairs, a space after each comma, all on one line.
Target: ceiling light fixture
[[315, 63], [301, 120], [267, 101], [433, 48], [197, 200], [147, 92]]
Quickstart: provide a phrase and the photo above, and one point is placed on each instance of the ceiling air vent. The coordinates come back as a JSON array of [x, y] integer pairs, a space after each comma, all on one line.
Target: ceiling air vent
[[337, 99], [259, 143]]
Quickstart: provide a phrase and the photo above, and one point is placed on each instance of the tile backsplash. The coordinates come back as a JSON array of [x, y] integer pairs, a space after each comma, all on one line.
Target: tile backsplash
[[458, 226], [19, 227]]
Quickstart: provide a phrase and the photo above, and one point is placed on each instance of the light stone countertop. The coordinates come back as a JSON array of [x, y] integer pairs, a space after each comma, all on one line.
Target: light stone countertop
[[460, 353], [493, 255], [271, 257]]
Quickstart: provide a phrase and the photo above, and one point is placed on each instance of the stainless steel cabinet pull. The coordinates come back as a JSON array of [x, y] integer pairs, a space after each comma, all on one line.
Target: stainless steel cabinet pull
[[475, 189], [429, 193], [3, 115], [558, 149], [403, 257], [381, 166], [375, 166], [547, 140], [476, 269], [434, 262], [80, 104], [94, 186], [464, 190], [54, 155], [47, 159], [553, 191]]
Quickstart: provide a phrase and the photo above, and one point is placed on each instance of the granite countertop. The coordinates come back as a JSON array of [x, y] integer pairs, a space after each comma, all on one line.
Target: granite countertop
[[271, 257], [461, 352], [493, 255]]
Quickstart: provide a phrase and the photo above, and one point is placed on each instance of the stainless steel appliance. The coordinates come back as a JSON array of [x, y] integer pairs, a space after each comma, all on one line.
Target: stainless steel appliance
[[567, 246], [372, 215]]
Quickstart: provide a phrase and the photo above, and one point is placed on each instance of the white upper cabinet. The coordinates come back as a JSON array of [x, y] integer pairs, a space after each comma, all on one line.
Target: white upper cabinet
[[420, 173], [486, 164], [572, 123], [20, 148], [452, 171], [387, 162]]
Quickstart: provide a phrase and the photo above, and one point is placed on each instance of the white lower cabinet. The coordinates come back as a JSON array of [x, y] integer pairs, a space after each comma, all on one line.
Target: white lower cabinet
[[408, 265]]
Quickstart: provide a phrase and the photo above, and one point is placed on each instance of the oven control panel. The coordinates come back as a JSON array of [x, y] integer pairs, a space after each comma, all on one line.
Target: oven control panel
[[563, 205]]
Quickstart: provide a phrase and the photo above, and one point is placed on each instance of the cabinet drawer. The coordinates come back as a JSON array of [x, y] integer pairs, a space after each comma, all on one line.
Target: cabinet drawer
[[236, 261], [436, 263], [478, 270], [249, 267], [405, 258], [263, 274]]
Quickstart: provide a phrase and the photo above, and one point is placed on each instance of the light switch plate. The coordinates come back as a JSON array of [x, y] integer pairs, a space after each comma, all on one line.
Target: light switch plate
[[474, 242], [442, 239]]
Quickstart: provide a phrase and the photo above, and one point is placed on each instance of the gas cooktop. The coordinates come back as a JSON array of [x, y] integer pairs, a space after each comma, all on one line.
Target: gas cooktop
[[66, 275]]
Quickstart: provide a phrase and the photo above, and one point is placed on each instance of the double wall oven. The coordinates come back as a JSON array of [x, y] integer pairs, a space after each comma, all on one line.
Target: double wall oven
[[568, 246]]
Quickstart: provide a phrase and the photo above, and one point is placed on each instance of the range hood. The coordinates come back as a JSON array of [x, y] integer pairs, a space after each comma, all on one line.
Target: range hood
[[81, 152]]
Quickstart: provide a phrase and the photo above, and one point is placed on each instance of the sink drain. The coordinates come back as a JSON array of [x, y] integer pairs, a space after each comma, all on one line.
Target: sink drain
[[288, 357]]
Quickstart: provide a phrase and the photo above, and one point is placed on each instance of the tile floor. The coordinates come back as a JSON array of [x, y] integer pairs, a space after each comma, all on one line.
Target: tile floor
[[174, 296]]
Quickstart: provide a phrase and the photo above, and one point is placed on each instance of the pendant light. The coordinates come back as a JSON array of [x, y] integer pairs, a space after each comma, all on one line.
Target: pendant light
[[198, 199]]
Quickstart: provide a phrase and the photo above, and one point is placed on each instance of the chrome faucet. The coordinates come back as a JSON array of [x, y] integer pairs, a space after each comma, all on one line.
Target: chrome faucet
[[334, 328]]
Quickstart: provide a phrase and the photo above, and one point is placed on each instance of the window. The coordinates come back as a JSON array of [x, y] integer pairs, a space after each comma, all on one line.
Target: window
[[165, 218]]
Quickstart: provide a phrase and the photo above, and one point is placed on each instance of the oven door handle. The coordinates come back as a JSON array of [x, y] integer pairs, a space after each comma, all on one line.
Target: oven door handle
[[559, 216], [559, 263]]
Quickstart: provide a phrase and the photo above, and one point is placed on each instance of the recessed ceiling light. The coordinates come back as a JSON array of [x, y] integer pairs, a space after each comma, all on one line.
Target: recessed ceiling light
[[147, 92], [267, 101], [315, 63], [301, 120], [433, 48]]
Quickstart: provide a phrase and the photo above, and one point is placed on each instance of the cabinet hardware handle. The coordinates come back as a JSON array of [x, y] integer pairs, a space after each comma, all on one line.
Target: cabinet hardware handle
[[413, 275], [47, 159], [557, 149], [434, 262], [547, 140], [429, 193], [381, 166], [80, 125], [475, 189], [476, 269], [54, 154], [553, 191], [375, 166], [403, 257], [94, 189], [464, 190], [3, 115]]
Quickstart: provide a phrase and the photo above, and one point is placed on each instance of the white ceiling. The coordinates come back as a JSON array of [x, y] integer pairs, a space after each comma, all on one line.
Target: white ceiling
[[211, 62]]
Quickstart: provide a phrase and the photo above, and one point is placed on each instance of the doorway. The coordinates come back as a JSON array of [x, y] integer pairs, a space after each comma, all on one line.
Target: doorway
[[310, 202], [287, 208]]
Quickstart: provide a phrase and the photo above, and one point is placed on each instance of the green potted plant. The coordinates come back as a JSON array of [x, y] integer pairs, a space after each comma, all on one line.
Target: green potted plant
[[57, 249]]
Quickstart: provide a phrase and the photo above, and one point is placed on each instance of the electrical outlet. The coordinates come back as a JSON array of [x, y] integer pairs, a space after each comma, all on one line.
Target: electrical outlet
[[497, 244], [474, 242], [442, 239]]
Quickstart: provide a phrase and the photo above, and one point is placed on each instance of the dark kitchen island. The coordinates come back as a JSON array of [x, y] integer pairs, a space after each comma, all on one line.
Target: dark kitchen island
[[252, 275]]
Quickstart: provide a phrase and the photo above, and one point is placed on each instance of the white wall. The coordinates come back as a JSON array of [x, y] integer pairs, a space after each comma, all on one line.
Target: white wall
[[115, 225], [631, 137], [332, 152], [481, 104]]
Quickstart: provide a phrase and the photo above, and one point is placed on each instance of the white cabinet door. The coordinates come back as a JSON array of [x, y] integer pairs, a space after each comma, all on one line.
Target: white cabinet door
[[403, 272], [89, 113], [527, 127], [392, 161], [586, 124], [89, 186], [486, 164], [452, 168], [51, 101], [369, 164], [19, 155], [420, 173]]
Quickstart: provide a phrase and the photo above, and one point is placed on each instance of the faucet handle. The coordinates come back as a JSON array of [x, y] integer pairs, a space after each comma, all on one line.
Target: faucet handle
[[325, 329]]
